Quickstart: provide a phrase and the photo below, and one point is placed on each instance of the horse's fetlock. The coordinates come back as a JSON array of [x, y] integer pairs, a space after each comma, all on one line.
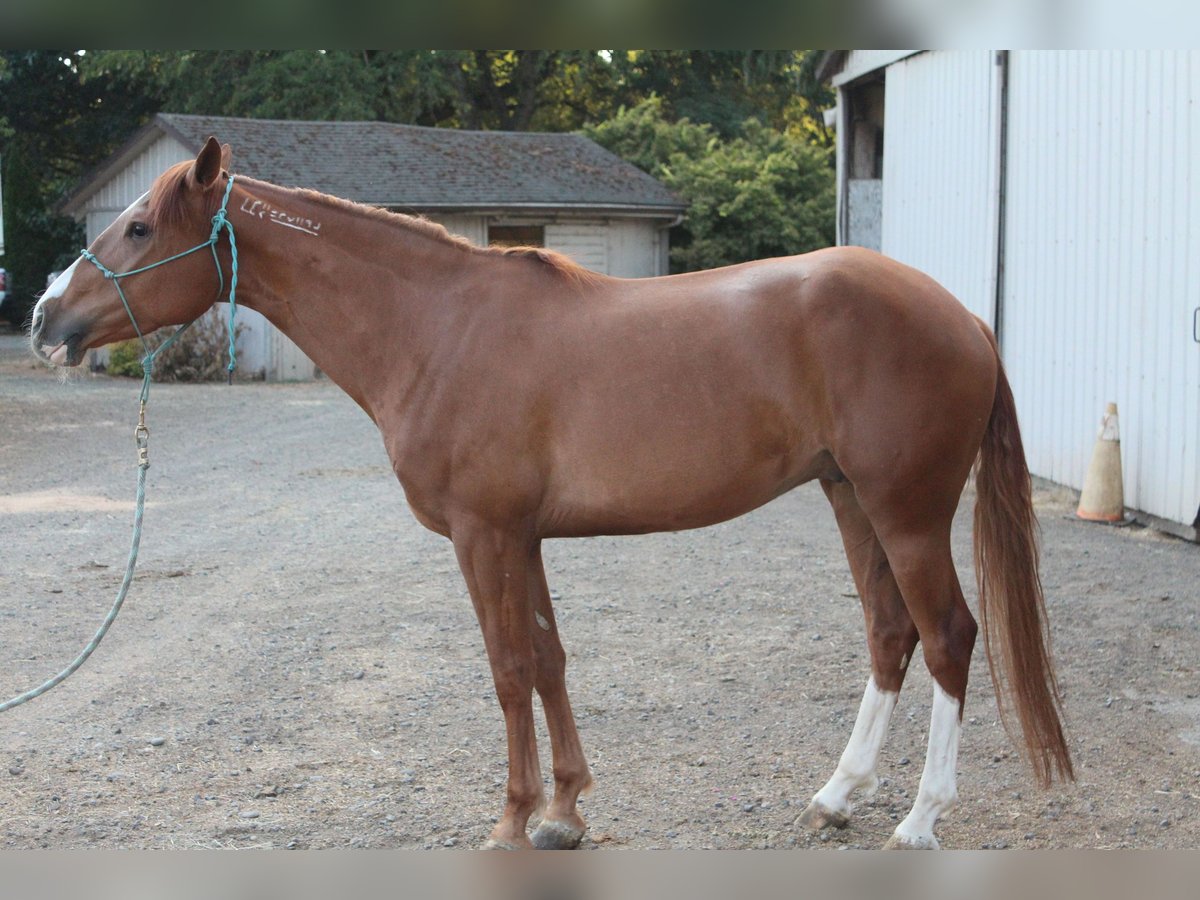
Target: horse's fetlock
[[572, 779]]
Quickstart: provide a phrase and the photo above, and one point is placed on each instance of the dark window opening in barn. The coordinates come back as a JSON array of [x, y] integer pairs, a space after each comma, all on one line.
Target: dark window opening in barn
[[516, 236], [866, 129], [863, 202]]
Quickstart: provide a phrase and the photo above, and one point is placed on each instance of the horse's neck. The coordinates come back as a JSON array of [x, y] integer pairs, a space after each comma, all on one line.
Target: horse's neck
[[358, 294]]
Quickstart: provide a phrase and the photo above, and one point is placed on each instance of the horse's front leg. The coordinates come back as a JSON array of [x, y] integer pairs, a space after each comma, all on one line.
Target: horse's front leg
[[496, 563]]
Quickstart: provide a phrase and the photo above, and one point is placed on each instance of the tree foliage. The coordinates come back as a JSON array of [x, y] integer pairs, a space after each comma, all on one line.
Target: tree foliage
[[53, 127], [514, 90], [724, 88], [760, 193]]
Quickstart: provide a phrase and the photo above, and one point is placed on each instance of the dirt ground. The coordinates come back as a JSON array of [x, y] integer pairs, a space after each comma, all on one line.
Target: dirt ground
[[298, 663]]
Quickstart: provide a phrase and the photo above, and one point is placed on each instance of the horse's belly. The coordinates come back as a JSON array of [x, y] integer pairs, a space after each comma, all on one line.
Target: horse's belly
[[647, 487]]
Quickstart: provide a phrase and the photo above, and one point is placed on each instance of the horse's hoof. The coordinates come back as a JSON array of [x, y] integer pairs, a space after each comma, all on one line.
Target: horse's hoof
[[493, 844], [556, 836], [818, 816], [904, 842]]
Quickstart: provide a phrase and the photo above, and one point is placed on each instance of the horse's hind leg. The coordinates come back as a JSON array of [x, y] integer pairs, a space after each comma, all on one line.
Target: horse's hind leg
[[561, 827], [918, 547], [891, 636]]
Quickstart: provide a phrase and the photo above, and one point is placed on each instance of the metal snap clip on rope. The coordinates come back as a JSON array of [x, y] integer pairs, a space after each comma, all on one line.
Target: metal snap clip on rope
[[141, 436]]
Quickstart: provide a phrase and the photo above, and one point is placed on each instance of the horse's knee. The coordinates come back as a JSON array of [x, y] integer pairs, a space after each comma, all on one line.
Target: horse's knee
[[514, 681]]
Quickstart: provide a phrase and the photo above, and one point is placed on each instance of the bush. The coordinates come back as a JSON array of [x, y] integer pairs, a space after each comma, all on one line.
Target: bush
[[200, 354], [125, 358], [762, 193]]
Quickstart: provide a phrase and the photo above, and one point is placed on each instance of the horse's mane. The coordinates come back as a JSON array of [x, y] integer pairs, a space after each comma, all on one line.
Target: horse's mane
[[559, 263], [167, 206]]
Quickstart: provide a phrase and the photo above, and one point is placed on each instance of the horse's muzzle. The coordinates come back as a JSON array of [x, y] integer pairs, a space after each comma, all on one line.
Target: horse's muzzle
[[56, 346]]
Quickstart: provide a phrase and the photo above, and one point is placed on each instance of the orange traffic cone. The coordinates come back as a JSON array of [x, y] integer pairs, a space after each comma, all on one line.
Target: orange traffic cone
[[1103, 497]]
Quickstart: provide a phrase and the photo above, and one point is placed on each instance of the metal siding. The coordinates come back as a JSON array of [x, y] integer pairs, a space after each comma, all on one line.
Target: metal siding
[[1103, 200], [939, 171], [97, 220]]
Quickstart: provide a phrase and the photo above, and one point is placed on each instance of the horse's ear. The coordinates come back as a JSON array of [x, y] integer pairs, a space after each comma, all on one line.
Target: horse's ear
[[208, 163], [226, 157]]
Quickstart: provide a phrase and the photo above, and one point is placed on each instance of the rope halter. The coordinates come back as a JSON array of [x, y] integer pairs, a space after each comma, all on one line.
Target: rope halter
[[220, 222]]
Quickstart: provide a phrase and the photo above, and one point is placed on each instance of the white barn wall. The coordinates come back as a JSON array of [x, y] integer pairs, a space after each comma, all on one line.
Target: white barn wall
[[626, 248], [1103, 265], [633, 249], [863, 62], [473, 228], [586, 243], [114, 197], [126, 185], [940, 171]]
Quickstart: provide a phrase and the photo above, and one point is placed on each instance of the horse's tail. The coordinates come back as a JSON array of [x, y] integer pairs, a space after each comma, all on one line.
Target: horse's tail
[[1011, 605]]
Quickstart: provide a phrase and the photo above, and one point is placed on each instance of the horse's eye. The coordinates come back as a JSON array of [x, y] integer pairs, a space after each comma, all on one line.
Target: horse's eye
[[139, 229]]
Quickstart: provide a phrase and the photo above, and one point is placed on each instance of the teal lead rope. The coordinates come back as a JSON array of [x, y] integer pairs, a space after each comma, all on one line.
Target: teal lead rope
[[141, 432], [79, 660]]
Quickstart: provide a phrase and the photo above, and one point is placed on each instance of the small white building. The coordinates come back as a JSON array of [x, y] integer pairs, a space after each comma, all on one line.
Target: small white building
[[561, 191], [1057, 194]]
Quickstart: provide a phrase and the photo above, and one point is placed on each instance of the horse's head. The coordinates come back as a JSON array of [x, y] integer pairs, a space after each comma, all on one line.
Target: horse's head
[[82, 308]]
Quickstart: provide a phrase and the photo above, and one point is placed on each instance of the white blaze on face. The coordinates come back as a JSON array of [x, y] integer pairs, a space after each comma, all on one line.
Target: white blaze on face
[[58, 287], [856, 769], [938, 791]]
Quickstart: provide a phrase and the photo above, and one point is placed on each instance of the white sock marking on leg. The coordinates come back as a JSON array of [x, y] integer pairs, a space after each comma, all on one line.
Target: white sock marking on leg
[[937, 793], [856, 769]]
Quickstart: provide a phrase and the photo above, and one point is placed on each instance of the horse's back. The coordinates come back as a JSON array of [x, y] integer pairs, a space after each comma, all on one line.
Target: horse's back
[[691, 399]]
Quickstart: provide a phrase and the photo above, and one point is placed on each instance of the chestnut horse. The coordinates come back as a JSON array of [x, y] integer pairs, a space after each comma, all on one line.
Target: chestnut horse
[[521, 397]]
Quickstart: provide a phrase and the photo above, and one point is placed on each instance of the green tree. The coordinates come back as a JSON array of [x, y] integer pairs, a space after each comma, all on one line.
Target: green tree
[[514, 90], [5, 130], [53, 126], [552, 90], [762, 193], [644, 136], [265, 84], [723, 88]]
